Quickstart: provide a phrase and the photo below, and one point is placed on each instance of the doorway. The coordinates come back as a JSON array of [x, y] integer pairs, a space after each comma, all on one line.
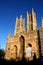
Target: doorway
[[22, 45]]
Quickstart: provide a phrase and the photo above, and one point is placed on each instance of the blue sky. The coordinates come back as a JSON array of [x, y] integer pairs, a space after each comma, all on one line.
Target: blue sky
[[10, 9]]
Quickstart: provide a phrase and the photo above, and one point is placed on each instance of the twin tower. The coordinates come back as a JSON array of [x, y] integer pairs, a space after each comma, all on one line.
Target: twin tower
[[30, 23]]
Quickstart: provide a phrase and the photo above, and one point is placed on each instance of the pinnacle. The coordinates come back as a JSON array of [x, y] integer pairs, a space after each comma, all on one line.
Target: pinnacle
[[32, 9], [20, 16], [16, 18], [27, 12]]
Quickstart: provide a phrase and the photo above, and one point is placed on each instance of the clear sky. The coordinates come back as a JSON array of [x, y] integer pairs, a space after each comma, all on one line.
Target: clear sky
[[10, 9]]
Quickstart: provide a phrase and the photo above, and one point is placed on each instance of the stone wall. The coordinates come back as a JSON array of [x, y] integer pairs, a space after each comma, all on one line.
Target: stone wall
[[16, 48]]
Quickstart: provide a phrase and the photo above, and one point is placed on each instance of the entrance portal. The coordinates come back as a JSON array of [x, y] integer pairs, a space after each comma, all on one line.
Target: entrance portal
[[22, 43]]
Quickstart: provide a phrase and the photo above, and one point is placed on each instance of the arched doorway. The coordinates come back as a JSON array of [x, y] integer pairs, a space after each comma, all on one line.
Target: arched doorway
[[15, 51], [22, 44]]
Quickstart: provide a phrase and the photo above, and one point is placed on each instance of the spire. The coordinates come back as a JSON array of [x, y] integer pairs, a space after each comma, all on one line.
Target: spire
[[33, 13], [16, 18], [27, 12], [16, 25], [20, 16], [8, 34], [34, 24], [32, 10], [24, 23]]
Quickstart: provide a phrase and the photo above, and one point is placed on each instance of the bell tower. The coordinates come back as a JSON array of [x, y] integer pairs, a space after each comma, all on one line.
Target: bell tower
[[29, 22], [19, 27]]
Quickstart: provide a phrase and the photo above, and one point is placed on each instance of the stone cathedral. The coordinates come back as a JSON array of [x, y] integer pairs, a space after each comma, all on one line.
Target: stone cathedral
[[17, 46]]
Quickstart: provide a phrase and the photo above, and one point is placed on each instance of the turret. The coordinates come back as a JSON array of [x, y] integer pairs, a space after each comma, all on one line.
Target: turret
[[19, 27], [21, 24], [16, 26], [8, 34], [29, 22], [34, 20]]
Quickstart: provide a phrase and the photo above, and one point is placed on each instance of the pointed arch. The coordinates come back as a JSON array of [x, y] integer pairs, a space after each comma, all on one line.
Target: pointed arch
[[22, 44]]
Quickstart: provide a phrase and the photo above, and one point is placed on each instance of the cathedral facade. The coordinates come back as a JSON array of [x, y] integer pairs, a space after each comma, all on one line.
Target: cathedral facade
[[24, 39]]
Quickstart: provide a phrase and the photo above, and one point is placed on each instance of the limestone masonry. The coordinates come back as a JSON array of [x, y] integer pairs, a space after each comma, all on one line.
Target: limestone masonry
[[27, 42]]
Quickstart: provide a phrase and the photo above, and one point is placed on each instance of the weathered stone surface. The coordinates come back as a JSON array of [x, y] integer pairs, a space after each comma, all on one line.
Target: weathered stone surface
[[17, 44]]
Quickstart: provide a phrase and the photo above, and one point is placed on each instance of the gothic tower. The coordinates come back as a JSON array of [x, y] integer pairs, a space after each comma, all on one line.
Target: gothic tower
[[19, 27], [31, 21], [34, 20]]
